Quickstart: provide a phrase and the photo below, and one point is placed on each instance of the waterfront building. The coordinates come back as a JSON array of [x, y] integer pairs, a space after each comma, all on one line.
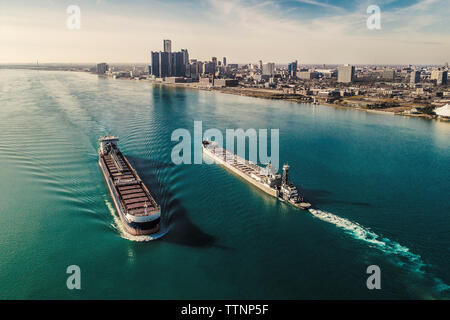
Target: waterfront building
[[102, 68], [346, 73], [200, 67], [164, 64], [443, 111], [155, 64], [177, 65], [226, 82], [167, 63], [167, 44], [192, 70], [185, 56], [209, 68], [174, 79]]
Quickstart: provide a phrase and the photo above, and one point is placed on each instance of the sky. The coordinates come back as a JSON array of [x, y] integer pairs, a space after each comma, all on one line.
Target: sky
[[244, 31]]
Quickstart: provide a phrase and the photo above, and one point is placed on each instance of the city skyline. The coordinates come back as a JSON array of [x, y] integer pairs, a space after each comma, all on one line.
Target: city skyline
[[310, 31]]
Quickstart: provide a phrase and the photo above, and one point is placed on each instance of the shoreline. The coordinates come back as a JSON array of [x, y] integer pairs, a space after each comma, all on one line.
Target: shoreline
[[255, 93], [267, 94]]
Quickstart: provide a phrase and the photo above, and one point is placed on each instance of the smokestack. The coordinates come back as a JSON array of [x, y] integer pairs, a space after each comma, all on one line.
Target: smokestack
[[285, 179]]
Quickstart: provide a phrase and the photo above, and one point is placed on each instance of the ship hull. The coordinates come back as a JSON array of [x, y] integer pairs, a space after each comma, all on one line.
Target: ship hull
[[133, 228], [257, 184], [271, 191]]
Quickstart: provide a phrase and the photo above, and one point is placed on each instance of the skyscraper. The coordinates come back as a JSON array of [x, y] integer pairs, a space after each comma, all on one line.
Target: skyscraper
[[192, 70], [185, 56], [346, 73], [155, 64], [209, 68], [268, 69], [292, 69], [443, 77], [224, 61], [178, 67], [167, 44], [164, 64], [102, 68], [214, 60], [414, 77], [440, 76]]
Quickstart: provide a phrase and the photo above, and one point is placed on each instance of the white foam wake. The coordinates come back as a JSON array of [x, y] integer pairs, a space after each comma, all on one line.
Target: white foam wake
[[359, 232], [117, 224], [406, 258]]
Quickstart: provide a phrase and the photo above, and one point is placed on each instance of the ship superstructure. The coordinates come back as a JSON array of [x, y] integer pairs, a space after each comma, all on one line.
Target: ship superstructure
[[138, 211], [264, 178]]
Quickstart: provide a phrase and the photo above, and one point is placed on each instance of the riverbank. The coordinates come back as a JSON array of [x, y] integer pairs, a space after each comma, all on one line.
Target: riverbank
[[279, 95], [273, 94]]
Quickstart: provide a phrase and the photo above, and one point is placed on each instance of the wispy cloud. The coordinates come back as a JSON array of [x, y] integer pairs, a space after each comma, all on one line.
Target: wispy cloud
[[242, 30], [319, 4]]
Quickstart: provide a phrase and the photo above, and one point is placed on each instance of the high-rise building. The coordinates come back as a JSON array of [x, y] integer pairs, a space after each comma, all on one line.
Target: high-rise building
[[440, 76], [192, 70], [214, 60], [346, 73], [167, 63], [414, 77], [388, 74], [444, 77], [200, 67], [155, 64], [167, 44], [102, 68], [292, 69], [268, 69], [307, 75], [185, 56], [164, 64], [209, 68], [224, 61], [177, 65], [260, 65]]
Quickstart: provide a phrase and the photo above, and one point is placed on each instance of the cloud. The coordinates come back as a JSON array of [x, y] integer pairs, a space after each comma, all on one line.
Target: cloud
[[243, 31], [319, 4]]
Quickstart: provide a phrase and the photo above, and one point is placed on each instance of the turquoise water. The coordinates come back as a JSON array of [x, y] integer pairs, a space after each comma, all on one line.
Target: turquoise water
[[381, 183]]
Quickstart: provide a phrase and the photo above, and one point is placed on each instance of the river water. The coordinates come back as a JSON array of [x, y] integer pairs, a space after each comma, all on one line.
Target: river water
[[380, 183]]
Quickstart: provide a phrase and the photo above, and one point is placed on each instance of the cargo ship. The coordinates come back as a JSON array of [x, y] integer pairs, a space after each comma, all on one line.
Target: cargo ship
[[138, 211], [263, 178]]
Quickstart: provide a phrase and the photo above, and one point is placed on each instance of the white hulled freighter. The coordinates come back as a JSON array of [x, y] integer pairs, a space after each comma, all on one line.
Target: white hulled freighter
[[265, 179]]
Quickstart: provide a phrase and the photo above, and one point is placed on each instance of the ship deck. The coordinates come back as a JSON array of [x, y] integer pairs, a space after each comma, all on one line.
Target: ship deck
[[132, 192], [237, 162]]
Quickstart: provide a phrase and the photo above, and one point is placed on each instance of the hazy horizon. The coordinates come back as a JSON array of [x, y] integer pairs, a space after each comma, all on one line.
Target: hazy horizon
[[310, 31]]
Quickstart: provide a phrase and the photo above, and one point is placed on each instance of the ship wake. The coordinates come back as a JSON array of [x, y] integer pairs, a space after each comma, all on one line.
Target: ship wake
[[403, 256], [117, 225]]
